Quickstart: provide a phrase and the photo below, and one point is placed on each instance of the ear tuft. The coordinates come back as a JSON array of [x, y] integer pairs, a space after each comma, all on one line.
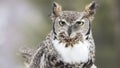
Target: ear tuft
[[56, 8], [91, 8], [93, 5]]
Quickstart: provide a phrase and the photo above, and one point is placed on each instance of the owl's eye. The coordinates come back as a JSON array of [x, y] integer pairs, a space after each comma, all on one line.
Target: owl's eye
[[80, 23], [62, 23]]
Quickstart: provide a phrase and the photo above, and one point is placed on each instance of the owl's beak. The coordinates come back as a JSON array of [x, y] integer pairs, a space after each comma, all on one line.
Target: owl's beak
[[69, 30]]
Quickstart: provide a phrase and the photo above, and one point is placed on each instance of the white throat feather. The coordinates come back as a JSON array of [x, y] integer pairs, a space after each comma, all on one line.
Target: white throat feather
[[77, 54]]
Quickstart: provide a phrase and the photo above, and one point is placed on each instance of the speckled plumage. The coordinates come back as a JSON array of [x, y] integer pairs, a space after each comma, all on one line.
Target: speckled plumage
[[70, 43], [52, 59]]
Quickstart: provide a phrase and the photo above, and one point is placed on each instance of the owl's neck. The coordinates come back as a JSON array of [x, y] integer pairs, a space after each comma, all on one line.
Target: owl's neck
[[77, 54]]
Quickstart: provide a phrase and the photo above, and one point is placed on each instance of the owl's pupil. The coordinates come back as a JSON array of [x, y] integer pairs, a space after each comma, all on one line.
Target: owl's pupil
[[80, 22], [62, 23]]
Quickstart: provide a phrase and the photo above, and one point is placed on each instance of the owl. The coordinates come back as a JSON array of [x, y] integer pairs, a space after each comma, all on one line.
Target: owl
[[69, 44]]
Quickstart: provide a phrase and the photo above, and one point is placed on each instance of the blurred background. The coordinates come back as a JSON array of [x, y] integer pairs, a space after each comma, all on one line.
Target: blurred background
[[27, 22]]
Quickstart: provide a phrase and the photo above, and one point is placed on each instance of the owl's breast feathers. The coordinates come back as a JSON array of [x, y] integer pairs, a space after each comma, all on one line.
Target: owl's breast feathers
[[47, 56]]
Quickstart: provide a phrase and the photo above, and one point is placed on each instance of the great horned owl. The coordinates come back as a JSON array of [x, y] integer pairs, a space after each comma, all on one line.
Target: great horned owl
[[70, 43]]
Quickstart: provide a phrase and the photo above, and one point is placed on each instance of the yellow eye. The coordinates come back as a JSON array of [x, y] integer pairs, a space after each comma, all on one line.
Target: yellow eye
[[80, 23], [62, 23]]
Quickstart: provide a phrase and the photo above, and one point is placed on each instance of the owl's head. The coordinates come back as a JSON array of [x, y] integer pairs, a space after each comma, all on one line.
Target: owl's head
[[71, 26]]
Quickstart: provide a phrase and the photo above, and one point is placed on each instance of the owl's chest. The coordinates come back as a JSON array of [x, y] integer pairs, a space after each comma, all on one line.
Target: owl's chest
[[79, 53]]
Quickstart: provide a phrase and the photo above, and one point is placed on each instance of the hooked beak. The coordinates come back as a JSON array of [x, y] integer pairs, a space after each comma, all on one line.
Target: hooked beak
[[69, 30]]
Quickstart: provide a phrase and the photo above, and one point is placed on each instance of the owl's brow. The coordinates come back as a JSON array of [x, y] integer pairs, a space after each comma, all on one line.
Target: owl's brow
[[81, 18], [84, 17]]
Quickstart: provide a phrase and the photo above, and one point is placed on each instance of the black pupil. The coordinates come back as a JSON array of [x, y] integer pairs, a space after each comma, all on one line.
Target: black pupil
[[80, 22], [62, 23]]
